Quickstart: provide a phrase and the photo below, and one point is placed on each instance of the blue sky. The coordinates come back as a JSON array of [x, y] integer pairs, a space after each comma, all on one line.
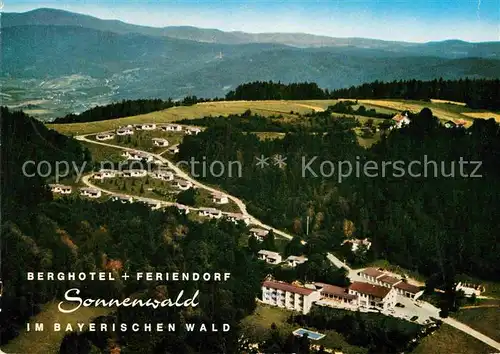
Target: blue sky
[[404, 20]]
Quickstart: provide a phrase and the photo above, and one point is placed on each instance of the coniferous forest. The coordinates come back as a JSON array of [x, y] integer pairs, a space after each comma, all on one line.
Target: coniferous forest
[[428, 224]]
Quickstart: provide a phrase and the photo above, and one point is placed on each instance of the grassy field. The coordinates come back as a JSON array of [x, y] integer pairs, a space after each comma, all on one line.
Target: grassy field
[[485, 320], [448, 340], [257, 326], [265, 108], [48, 341], [287, 109], [448, 102], [103, 153], [442, 110]]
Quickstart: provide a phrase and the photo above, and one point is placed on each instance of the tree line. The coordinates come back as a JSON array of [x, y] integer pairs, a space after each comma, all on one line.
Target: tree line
[[476, 93], [126, 108]]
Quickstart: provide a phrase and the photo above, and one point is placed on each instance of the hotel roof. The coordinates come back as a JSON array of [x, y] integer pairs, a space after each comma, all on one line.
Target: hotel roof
[[389, 280], [287, 287], [407, 287], [369, 289], [335, 290], [372, 272]]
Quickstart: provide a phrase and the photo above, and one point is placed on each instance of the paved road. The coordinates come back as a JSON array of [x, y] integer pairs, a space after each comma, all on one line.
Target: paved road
[[425, 309], [241, 205]]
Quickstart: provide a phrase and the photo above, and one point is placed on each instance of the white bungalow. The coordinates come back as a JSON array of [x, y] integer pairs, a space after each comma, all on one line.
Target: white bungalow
[[135, 173], [259, 234], [153, 204], [270, 256], [108, 173], [172, 128], [102, 174], [98, 176], [293, 261], [470, 289], [182, 208], [192, 131], [236, 217], [125, 131], [163, 175], [122, 199], [160, 142], [137, 155], [145, 126], [60, 188], [182, 184], [174, 149], [210, 213], [356, 243], [219, 198], [90, 192], [105, 136]]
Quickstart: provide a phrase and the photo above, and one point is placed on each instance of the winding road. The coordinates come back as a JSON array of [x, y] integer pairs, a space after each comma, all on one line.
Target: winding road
[[242, 207]]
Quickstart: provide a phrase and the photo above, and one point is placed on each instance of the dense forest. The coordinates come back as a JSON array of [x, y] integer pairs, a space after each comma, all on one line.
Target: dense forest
[[125, 108], [262, 90], [427, 224], [72, 235]]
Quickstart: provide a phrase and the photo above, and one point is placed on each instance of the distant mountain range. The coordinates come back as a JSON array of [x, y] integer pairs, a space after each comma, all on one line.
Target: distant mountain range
[[54, 57], [53, 17]]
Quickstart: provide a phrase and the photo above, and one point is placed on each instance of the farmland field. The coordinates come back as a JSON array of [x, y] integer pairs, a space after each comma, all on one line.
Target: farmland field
[[441, 109], [265, 108], [287, 109]]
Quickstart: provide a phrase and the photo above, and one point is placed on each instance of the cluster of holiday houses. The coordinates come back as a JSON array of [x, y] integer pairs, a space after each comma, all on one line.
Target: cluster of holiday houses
[[130, 129], [276, 258]]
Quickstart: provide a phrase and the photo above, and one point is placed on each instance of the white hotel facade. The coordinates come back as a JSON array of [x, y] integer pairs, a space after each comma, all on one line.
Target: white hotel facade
[[289, 296]]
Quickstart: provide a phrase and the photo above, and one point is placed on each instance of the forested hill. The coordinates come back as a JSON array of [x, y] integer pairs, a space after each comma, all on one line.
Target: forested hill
[[75, 235], [25, 139], [433, 223], [262, 90], [476, 93]]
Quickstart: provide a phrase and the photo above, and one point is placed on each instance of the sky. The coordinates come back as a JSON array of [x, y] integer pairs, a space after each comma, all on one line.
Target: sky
[[400, 20]]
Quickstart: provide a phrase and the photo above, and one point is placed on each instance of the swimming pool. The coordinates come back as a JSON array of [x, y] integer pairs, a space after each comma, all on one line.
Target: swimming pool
[[310, 334]]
